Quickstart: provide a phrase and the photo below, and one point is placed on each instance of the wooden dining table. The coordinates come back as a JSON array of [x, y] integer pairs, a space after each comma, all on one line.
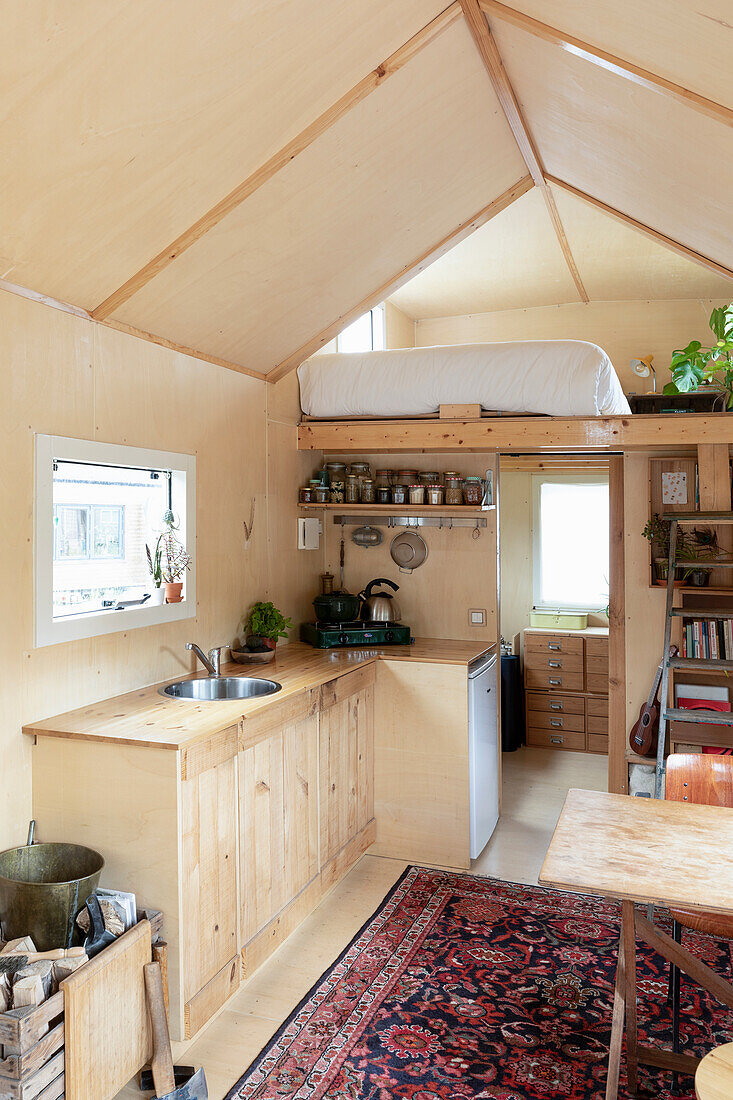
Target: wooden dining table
[[714, 1077], [643, 851]]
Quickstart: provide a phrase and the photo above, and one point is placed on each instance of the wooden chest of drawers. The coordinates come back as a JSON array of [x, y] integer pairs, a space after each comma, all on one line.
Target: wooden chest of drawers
[[566, 684]]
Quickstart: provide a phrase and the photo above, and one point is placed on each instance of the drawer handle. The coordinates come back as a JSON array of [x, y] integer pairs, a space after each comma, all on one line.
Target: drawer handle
[[555, 664], [557, 740], [554, 645], [556, 682], [555, 706], [557, 722]]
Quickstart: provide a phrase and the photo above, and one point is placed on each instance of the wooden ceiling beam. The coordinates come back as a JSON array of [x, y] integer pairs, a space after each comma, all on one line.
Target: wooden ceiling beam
[[266, 171], [487, 47], [151, 338], [409, 271], [645, 230], [609, 61]]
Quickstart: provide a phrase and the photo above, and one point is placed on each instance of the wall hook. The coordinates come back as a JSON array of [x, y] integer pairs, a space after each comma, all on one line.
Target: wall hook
[[249, 527]]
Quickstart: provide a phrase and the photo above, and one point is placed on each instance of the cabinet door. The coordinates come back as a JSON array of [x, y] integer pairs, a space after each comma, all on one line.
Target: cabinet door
[[346, 760], [262, 833], [300, 783], [209, 870]]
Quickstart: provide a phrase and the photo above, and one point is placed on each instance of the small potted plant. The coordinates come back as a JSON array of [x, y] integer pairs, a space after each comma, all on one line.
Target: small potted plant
[[265, 624], [174, 561], [155, 566], [657, 532]]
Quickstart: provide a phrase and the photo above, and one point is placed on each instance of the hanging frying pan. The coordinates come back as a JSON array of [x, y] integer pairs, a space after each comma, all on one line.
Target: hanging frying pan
[[408, 550]]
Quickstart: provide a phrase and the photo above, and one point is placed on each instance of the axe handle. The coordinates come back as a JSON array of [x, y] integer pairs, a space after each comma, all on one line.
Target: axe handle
[[162, 1061]]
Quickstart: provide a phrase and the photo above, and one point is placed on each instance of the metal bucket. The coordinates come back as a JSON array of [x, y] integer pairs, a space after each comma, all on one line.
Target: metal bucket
[[43, 887]]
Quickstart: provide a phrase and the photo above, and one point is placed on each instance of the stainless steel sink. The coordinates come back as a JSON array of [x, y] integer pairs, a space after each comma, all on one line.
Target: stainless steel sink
[[208, 688]]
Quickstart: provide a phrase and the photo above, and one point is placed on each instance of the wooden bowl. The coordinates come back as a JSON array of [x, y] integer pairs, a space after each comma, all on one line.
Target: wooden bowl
[[252, 657]]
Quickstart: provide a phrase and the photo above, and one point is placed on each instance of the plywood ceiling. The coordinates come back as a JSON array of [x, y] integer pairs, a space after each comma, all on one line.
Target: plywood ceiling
[[381, 184], [646, 155], [686, 41], [515, 262], [309, 154]]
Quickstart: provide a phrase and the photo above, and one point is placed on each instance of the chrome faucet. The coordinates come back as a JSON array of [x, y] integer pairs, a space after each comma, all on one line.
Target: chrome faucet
[[212, 663]]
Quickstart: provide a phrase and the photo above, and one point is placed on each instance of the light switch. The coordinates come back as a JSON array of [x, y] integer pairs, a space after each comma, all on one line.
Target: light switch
[[477, 616]]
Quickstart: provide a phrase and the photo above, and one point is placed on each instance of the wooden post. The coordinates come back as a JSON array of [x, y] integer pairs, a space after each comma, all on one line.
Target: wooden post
[[713, 463], [618, 773]]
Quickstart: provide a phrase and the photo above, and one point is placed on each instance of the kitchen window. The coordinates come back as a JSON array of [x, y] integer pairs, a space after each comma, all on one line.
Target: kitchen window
[[98, 507], [570, 530]]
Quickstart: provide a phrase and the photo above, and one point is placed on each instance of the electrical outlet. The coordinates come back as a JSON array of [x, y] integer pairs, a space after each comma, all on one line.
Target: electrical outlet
[[477, 616]]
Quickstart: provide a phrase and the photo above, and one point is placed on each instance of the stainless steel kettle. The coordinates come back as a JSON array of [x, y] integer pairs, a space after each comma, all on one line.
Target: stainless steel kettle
[[380, 607]]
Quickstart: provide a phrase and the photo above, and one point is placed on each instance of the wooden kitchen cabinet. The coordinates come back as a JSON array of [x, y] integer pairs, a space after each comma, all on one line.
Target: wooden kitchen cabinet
[[209, 940], [346, 752]]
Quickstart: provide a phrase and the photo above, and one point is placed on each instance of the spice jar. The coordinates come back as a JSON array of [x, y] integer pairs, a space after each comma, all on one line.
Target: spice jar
[[429, 477], [435, 494], [306, 495], [384, 494], [417, 494], [326, 584], [399, 494], [337, 490], [321, 494], [406, 477], [367, 491], [352, 489], [473, 490], [453, 490], [336, 470]]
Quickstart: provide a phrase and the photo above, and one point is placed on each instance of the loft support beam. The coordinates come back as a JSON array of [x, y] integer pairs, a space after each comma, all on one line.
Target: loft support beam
[[489, 51], [266, 171], [462, 230], [609, 61], [645, 230]]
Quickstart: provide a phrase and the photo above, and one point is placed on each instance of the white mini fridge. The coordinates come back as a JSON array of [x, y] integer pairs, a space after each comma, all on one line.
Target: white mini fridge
[[483, 750]]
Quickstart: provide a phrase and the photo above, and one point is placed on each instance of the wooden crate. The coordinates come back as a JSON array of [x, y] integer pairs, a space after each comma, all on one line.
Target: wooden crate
[[89, 1038]]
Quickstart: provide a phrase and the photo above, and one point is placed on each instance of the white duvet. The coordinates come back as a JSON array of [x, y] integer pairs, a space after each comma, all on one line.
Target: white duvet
[[555, 377]]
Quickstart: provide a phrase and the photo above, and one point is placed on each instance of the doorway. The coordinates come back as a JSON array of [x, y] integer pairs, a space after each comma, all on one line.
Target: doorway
[[569, 682]]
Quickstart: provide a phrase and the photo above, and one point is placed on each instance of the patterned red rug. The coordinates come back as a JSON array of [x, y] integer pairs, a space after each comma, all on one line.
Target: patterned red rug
[[461, 987]]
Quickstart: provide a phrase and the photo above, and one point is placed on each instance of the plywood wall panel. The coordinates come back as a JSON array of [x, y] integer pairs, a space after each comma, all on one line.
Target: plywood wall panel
[[424, 152], [515, 260], [125, 124], [688, 41], [65, 376], [625, 145], [623, 329]]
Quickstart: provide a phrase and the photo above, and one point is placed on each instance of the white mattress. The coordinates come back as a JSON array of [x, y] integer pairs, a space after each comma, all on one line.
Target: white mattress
[[556, 377]]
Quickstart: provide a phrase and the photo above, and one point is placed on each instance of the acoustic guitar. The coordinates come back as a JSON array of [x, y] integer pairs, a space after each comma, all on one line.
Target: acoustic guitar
[[643, 737]]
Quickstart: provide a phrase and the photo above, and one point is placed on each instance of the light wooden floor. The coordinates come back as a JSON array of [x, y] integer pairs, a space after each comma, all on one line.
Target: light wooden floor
[[535, 784]]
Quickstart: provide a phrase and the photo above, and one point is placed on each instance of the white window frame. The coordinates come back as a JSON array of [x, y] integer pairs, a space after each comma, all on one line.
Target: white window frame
[[381, 308], [557, 479], [183, 467]]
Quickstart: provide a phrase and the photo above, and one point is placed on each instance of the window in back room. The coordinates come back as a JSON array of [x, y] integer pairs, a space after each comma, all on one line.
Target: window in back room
[[366, 333], [570, 533]]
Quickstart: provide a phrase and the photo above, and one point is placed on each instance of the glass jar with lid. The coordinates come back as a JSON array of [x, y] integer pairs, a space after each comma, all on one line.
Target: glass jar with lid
[[435, 494], [428, 477], [306, 495], [336, 470], [406, 477], [453, 490], [367, 491], [352, 489], [337, 490], [321, 494], [399, 494], [473, 491], [417, 493]]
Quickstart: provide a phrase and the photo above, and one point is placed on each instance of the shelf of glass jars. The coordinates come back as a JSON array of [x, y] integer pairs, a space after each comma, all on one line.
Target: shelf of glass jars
[[447, 510]]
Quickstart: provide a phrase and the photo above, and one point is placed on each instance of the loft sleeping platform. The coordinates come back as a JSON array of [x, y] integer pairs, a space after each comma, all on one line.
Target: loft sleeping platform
[[536, 377]]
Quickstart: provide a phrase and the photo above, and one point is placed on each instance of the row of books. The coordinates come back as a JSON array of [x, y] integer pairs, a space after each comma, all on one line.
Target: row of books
[[708, 639]]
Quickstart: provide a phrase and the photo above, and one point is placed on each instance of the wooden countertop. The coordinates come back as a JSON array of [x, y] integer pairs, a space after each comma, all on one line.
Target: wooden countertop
[[145, 717]]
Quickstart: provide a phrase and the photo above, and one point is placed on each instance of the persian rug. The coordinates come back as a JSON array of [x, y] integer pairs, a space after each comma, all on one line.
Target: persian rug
[[461, 987]]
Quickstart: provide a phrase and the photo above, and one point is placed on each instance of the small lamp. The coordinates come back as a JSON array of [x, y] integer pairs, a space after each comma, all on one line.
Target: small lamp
[[643, 367]]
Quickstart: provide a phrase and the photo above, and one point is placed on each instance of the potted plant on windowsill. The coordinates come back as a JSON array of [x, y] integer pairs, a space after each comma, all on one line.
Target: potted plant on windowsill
[[175, 561], [265, 624], [155, 566]]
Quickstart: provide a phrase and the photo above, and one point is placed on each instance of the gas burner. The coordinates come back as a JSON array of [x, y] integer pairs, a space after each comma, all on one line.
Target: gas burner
[[324, 635]]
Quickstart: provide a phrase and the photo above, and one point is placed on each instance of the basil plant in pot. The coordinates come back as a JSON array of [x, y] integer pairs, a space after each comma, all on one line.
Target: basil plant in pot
[[696, 366], [265, 623]]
